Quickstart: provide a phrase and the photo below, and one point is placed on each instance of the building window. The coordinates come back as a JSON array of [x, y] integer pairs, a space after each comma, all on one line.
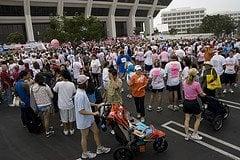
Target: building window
[[156, 13], [141, 13], [6, 10], [126, 1], [122, 12], [100, 11], [164, 2], [104, 0], [43, 11], [6, 29], [146, 1], [71, 11]]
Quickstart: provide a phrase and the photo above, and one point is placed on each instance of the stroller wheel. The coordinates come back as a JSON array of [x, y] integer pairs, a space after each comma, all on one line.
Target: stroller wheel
[[160, 145], [227, 112], [217, 123], [123, 153]]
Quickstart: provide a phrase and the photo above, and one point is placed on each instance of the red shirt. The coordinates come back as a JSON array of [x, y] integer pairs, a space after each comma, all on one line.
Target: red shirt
[[6, 80]]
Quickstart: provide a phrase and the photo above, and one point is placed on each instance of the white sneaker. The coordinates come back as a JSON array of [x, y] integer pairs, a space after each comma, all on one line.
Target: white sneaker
[[224, 91], [180, 105], [138, 115], [196, 137], [142, 119], [231, 91], [175, 108], [65, 132], [72, 131], [159, 109], [187, 137], [88, 155], [102, 149], [149, 108], [79, 158], [170, 107], [112, 132]]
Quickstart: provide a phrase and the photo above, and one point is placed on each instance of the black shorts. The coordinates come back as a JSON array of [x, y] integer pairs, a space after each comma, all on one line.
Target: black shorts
[[164, 64], [191, 107], [229, 78], [148, 67], [173, 88], [200, 63], [157, 90]]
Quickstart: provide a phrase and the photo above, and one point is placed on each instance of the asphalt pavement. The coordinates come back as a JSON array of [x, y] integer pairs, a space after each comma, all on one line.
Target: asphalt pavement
[[17, 144]]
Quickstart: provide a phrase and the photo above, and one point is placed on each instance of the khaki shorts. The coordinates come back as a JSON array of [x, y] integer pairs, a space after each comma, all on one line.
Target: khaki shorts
[[67, 115]]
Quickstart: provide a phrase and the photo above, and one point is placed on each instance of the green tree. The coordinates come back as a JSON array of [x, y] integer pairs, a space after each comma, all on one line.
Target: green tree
[[173, 31], [15, 37], [217, 24], [75, 29]]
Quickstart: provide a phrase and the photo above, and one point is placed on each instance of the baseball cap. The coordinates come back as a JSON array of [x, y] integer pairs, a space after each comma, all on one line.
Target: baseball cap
[[138, 67], [82, 79]]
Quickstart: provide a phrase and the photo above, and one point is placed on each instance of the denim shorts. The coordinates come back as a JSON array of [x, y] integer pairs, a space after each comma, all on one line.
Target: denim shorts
[[43, 108]]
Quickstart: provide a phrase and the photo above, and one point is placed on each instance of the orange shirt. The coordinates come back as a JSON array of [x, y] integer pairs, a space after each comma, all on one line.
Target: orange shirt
[[137, 82]]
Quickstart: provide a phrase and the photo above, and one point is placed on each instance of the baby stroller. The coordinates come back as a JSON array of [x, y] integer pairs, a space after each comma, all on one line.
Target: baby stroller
[[130, 132], [214, 111]]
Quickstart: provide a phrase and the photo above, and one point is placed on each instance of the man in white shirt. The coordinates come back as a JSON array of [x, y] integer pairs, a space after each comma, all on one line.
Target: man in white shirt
[[173, 71], [148, 59], [95, 69], [85, 119], [230, 72], [66, 91], [180, 54], [218, 62]]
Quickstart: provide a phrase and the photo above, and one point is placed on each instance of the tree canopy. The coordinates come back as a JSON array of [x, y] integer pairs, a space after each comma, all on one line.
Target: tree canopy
[[217, 24], [74, 29], [15, 37]]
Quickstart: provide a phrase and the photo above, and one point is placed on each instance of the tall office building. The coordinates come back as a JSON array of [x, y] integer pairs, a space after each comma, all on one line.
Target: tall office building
[[120, 17], [183, 18]]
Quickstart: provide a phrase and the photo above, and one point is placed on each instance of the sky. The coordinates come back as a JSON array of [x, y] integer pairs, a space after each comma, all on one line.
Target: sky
[[212, 6]]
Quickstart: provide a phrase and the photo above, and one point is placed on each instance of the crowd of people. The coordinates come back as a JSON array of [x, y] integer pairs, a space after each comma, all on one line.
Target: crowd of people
[[74, 79]]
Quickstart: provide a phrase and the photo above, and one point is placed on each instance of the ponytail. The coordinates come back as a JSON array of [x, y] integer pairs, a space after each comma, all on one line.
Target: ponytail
[[190, 79]]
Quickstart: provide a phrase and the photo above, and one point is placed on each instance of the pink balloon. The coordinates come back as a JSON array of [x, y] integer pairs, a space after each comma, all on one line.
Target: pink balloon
[[55, 44]]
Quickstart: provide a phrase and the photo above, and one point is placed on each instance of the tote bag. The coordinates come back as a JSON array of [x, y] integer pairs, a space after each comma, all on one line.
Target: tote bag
[[212, 85]]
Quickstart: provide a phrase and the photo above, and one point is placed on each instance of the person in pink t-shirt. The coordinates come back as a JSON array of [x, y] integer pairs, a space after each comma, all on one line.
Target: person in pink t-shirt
[[155, 56], [164, 57], [192, 90]]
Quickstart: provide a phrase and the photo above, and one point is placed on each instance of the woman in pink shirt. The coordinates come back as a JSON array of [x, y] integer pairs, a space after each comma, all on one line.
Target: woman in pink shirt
[[164, 57], [192, 90]]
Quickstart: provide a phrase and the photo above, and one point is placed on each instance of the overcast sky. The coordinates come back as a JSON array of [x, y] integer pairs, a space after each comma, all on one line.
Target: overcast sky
[[211, 5]]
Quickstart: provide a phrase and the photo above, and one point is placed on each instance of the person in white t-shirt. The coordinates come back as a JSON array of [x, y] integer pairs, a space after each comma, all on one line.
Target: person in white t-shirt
[[200, 58], [148, 59], [230, 72], [237, 56], [157, 76], [173, 71], [66, 91], [180, 54], [77, 68], [85, 120], [95, 69], [218, 62]]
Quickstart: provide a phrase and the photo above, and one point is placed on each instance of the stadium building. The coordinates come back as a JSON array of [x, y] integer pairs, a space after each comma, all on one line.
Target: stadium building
[[120, 17]]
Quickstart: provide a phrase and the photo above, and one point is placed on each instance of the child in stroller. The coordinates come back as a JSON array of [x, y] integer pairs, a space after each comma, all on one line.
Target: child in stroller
[[130, 132], [214, 111]]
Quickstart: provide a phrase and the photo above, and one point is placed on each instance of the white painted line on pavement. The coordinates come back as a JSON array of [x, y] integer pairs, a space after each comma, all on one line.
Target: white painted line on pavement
[[203, 143], [223, 100], [233, 106], [211, 137]]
